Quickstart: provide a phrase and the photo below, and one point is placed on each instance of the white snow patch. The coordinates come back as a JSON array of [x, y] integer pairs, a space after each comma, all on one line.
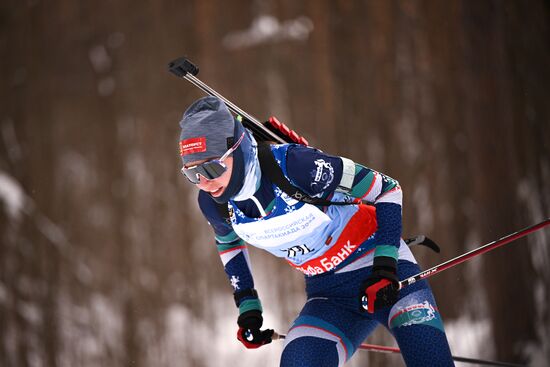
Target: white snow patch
[[527, 191], [92, 332], [470, 338], [537, 354], [51, 231], [30, 312], [179, 335], [100, 59], [106, 323], [108, 319], [84, 273], [12, 195], [75, 171], [268, 29], [211, 343], [226, 347]]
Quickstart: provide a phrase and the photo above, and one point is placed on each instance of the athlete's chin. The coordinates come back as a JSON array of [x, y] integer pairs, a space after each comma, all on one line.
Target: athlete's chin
[[218, 192]]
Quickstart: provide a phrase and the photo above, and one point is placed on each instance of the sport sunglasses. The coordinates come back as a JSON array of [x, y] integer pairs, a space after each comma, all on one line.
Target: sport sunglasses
[[212, 169]]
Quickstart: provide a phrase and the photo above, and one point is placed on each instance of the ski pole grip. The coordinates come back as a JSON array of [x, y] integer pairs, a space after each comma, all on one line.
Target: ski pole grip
[[181, 66]]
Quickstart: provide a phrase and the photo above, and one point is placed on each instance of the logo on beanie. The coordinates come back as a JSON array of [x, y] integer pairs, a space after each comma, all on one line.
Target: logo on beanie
[[194, 145]]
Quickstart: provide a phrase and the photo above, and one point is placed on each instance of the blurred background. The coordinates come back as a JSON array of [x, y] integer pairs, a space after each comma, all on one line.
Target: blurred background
[[105, 259]]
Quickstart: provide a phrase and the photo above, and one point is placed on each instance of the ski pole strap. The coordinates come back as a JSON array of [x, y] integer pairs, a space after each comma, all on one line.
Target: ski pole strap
[[270, 167]]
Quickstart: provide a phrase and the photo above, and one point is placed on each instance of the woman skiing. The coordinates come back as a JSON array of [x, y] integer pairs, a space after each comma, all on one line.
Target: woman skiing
[[351, 254]]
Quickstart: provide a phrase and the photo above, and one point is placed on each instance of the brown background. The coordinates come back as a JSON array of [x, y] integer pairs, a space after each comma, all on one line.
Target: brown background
[[104, 257]]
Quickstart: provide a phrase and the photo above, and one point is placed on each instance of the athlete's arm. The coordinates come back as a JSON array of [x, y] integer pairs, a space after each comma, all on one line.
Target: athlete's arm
[[386, 195], [234, 256]]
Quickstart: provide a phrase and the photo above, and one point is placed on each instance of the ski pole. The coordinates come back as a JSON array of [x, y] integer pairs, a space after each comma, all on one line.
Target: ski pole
[[384, 349], [471, 254]]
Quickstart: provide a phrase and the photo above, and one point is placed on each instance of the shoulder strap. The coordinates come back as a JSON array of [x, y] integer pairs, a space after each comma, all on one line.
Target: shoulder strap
[[223, 211], [271, 168]]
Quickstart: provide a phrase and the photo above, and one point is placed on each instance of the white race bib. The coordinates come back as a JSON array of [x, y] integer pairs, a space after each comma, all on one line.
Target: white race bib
[[281, 229]]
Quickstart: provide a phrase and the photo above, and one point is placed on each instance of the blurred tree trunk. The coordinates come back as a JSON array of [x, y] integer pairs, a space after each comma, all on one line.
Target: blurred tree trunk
[[501, 93]]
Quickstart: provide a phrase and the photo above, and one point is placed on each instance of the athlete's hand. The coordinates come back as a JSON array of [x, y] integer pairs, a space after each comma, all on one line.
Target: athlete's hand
[[381, 288], [249, 333]]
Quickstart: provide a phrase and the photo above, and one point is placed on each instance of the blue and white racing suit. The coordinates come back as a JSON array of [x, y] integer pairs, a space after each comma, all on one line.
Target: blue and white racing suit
[[334, 247]]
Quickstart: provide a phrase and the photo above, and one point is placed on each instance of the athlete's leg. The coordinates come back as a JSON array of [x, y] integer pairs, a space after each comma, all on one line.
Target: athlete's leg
[[324, 335], [330, 326], [305, 351], [417, 325]]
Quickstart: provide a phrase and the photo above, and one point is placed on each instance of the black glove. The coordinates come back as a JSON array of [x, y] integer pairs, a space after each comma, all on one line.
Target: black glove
[[249, 332], [381, 289]]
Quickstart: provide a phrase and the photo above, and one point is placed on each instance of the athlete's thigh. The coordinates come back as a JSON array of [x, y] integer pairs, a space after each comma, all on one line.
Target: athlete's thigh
[[416, 324], [325, 334]]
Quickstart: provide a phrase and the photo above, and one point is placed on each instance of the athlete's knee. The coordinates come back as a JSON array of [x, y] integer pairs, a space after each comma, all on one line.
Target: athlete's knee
[[308, 351], [416, 324], [417, 308]]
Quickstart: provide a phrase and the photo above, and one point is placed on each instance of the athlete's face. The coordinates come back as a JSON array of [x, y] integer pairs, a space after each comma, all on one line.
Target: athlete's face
[[217, 186]]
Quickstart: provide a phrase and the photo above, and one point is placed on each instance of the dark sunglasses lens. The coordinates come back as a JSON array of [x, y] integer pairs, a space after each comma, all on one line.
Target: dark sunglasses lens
[[209, 170], [191, 175], [212, 169]]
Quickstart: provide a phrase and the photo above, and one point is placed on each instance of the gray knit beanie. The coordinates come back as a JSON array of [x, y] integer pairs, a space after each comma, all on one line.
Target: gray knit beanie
[[207, 129]]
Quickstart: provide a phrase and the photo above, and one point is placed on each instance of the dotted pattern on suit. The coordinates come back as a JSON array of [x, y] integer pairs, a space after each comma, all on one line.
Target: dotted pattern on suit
[[334, 305]]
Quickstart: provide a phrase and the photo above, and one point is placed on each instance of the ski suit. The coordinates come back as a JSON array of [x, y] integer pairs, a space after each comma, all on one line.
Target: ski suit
[[334, 246]]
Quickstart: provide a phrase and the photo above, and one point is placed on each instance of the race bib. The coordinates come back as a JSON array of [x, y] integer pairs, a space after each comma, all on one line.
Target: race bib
[[286, 228]]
